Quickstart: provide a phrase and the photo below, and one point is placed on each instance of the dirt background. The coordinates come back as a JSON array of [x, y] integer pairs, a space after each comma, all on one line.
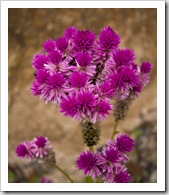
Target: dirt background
[[28, 117]]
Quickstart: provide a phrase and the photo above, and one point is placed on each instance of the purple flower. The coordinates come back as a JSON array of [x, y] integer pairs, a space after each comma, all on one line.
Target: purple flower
[[42, 146], [69, 32], [61, 44], [56, 81], [38, 61], [55, 57], [108, 39], [36, 88], [78, 79], [137, 89], [108, 68], [90, 71], [88, 162], [124, 143], [83, 40], [69, 106], [146, 67], [109, 159], [49, 46], [55, 89], [57, 64], [122, 176], [86, 102], [102, 109], [123, 157], [45, 180], [106, 90], [24, 150], [119, 176], [84, 64], [123, 57], [40, 83], [123, 82], [41, 76], [144, 80], [21, 150], [83, 59], [40, 141]]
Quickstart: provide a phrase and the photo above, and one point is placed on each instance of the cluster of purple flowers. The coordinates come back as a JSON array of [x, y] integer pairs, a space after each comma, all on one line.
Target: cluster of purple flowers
[[36, 149], [109, 164], [81, 73]]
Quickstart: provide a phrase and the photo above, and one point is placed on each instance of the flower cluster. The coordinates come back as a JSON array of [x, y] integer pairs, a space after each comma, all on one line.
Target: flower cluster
[[109, 164], [81, 73], [37, 149]]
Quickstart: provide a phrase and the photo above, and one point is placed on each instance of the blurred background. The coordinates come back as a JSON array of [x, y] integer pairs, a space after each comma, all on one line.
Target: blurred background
[[28, 117]]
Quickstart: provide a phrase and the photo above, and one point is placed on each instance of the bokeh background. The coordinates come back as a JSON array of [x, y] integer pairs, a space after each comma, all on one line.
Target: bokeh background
[[28, 117]]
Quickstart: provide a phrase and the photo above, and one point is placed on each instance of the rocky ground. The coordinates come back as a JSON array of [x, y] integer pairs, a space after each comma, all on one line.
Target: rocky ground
[[28, 117]]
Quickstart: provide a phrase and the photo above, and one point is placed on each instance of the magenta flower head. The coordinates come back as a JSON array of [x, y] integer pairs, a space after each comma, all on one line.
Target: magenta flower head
[[123, 57], [45, 180], [109, 159], [86, 101], [88, 162], [38, 61], [42, 76], [36, 88], [69, 32], [49, 46], [124, 143], [56, 81], [61, 44], [119, 176], [21, 150], [55, 89], [106, 90], [24, 150], [83, 59], [146, 67], [78, 79], [69, 106], [83, 40], [108, 39], [40, 141], [42, 146], [123, 82], [122, 177], [40, 82], [84, 64], [102, 109], [37, 149], [55, 57]]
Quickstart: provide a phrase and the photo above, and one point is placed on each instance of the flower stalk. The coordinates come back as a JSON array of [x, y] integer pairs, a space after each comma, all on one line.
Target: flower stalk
[[64, 173], [114, 130]]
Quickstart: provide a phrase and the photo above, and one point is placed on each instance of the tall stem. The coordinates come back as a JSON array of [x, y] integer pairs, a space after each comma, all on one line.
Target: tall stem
[[91, 148], [114, 130], [64, 173]]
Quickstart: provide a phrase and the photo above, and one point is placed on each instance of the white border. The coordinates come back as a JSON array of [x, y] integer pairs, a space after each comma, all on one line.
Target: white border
[[160, 185]]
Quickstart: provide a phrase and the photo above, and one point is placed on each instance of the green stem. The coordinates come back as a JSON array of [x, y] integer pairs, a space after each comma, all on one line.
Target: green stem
[[115, 130], [91, 148], [64, 173], [88, 179]]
